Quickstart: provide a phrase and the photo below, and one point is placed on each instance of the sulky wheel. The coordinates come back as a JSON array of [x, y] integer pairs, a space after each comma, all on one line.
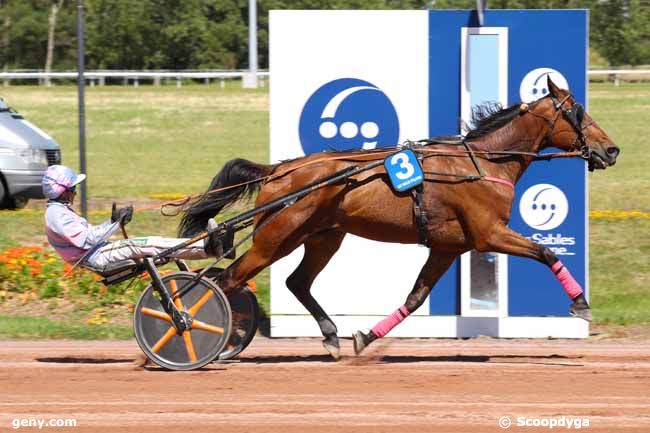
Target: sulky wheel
[[194, 348], [245, 317], [245, 320]]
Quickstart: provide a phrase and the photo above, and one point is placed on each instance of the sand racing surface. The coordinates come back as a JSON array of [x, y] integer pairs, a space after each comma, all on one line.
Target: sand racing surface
[[290, 385]]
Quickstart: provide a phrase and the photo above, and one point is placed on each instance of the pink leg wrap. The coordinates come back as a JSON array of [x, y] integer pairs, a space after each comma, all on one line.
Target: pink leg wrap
[[382, 328], [569, 284]]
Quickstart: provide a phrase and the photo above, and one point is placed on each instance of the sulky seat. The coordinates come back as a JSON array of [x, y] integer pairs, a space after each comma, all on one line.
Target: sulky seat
[[116, 272]]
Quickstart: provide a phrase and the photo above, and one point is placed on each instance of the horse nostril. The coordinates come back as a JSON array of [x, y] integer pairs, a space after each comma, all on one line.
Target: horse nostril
[[613, 151]]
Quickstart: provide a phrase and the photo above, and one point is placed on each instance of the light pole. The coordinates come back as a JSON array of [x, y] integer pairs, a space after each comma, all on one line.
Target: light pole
[[81, 82], [481, 6], [250, 81]]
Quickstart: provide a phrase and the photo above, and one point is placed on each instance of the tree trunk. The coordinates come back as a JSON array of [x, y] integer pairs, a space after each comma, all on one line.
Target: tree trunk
[[50, 39], [6, 27]]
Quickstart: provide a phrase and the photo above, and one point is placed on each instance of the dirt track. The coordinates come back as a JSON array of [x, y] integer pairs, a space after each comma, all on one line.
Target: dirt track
[[288, 385]]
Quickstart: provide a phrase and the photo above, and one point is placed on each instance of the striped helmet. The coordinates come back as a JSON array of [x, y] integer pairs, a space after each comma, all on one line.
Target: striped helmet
[[58, 179]]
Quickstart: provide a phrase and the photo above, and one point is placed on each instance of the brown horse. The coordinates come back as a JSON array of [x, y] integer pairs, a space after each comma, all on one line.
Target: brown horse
[[461, 213]]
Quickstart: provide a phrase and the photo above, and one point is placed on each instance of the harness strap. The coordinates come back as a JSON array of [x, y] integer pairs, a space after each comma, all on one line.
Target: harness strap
[[418, 210], [470, 151], [499, 180]]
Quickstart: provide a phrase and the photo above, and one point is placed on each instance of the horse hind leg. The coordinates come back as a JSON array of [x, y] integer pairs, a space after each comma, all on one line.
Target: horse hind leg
[[435, 266], [319, 249]]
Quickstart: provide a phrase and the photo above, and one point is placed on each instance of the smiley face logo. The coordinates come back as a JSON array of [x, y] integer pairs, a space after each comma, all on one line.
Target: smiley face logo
[[543, 206], [346, 114], [533, 86]]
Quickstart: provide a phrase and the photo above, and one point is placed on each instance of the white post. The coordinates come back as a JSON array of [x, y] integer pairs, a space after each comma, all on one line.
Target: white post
[[249, 80]]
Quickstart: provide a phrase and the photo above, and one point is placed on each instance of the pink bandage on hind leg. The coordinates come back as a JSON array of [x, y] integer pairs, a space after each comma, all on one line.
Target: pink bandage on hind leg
[[569, 284], [382, 328]]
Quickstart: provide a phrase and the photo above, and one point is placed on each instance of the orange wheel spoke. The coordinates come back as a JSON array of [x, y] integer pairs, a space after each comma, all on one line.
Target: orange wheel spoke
[[189, 345], [196, 307], [205, 327], [155, 313], [173, 288], [164, 339]]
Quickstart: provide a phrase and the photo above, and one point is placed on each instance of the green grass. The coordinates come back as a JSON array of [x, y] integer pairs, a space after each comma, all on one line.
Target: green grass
[[620, 271], [619, 251], [624, 113], [43, 327], [149, 140]]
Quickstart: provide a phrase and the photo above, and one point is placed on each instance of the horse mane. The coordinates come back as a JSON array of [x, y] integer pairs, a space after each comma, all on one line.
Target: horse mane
[[490, 116]]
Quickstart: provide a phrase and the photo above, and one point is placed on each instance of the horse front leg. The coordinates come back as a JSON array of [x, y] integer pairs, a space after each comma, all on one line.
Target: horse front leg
[[504, 240], [319, 249], [435, 266]]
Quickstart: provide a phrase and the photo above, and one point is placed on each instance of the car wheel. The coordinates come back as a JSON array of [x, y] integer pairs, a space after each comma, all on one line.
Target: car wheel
[[3, 203], [17, 202]]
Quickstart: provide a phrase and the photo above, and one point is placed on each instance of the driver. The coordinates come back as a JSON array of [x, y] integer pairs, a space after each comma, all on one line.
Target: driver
[[77, 241]]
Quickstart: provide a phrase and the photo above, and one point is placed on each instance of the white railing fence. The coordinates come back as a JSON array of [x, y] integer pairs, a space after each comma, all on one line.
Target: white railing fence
[[617, 74], [159, 77], [134, 77]]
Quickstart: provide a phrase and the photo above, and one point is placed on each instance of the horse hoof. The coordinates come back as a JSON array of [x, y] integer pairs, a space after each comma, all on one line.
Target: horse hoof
[[584, 313], [360, 342], [334, 350], [580, 308]]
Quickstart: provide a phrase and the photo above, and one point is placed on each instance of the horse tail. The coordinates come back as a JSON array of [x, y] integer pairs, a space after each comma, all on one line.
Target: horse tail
[[245, 179]]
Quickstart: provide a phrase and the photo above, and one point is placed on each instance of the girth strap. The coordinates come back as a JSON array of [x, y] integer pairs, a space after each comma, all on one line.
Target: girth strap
[[418, 210], [420, 215]]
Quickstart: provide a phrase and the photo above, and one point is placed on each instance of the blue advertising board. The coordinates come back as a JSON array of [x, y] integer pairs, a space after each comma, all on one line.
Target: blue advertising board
[[538, 41]]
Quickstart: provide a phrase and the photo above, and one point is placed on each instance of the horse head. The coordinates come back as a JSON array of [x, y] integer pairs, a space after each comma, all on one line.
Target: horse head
[[572, 129]]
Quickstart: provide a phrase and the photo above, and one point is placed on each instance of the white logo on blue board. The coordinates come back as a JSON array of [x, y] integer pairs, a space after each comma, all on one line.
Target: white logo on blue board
[[533, 86], [347, 114], [543, 206]]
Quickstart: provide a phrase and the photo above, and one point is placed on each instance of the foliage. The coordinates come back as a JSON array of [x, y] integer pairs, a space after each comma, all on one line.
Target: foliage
[[213, 34], [23, 34], [33, 273]]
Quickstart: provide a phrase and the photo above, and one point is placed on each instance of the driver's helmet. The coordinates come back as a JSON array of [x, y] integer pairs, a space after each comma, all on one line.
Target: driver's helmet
[[59, 179]]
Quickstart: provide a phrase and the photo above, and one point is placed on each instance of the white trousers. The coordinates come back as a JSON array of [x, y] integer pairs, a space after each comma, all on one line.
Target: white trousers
[[138, 248]]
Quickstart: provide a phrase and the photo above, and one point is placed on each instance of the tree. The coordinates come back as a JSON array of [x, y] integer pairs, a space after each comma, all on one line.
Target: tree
[[213, 34], [609, 36], [4, 39], [50, 37]]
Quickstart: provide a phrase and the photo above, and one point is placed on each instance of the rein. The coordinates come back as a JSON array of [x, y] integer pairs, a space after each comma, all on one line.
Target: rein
[[418, 147]]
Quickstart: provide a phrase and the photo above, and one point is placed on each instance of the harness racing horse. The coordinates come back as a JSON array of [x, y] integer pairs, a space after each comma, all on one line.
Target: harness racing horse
[[462, 212]]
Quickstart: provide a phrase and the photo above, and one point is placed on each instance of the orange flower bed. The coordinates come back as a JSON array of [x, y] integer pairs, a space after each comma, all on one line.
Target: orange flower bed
[[34, 271]]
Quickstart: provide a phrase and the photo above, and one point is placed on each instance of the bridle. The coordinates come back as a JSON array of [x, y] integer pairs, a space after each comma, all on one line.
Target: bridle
[[575, 116]]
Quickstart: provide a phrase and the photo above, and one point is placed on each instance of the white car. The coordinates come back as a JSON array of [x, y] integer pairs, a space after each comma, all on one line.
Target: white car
[[25, 153]]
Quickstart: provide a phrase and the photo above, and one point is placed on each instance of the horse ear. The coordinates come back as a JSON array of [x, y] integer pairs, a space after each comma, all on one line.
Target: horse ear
[[552, 88]]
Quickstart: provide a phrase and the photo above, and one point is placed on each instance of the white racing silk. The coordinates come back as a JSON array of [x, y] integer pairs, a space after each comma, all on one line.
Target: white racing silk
[[74, 238]]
